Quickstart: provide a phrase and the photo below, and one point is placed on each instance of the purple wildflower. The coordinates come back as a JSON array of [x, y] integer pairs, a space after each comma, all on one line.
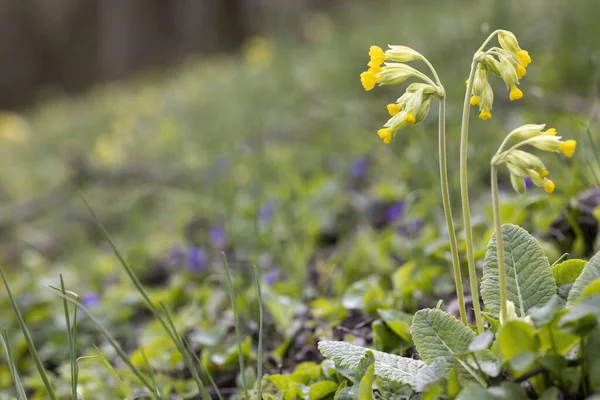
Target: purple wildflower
[[197, 260], [395, 211], [412, 228], [176, 255], [272, 277], [358, 168], [528, 182], [217, 236], [266, 212], [90, 299]]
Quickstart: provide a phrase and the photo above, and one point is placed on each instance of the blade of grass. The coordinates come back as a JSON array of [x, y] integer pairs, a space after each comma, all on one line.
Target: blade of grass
[[70, 340], [179, 342], [143, 380], [205, 370], [152, 375], [13, 368], [125, 390], [28, 338], [138, 285], [238, 335], [259, 362]]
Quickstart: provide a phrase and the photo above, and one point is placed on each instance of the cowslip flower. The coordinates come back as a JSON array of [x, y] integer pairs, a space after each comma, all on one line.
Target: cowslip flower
[[525, 167]]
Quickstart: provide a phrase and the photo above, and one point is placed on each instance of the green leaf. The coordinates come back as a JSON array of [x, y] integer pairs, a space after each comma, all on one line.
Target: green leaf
[[387, 366], [384, 339], [543, 315], [285, 385], [438, 334], [398, 321], [508, 391], [590, 272], [529, 280], [365, 388], [482, 342], [550, 394], [567, 271], [591, 355], [321, 390], [516, 337], [583, 317], [429, 375], [592, 289]]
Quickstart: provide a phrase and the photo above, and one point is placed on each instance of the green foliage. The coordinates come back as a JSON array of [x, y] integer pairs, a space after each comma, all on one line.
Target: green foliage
[[529, 277], [590, 272]]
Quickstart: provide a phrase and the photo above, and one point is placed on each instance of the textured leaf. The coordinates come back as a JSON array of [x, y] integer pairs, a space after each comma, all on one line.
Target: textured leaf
[[438, 334], [529, 279], [398, 321], [567, 271], [482, 342], [516, 337], [387, 366], [322, 389], [429, 375], [590, 272], [365, 388]]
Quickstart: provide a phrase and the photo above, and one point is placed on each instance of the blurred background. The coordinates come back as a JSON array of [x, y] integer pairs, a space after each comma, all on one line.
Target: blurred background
[[199, 126]]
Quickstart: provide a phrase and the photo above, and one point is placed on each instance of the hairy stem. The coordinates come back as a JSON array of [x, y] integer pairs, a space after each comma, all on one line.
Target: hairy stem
[[499, 243], [464, 196], [448, 211]]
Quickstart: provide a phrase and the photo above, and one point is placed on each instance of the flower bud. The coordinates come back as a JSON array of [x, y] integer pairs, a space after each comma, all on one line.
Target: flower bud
[[508, 41], [402, 54], [527, 131], [518, 183], [394, 73]]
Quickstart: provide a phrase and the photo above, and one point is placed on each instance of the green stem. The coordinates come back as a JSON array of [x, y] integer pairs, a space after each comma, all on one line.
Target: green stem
[[448, 211], [464, 196], [499, 243]]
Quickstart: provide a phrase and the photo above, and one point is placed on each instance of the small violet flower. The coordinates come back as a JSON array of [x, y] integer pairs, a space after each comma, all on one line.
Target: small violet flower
[[266, 212], [90, 299], [395, 211], [272, 277], [197, 260], [359, 167], [528, 182], [217, 236]]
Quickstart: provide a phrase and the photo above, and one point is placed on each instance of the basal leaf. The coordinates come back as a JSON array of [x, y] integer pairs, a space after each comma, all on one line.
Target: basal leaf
[[430, 374], [437, 334], [365, 388], [398, 321], [516, 337], [529, 279], [321, 390], [590, 272], [567, 271], [387, 366]]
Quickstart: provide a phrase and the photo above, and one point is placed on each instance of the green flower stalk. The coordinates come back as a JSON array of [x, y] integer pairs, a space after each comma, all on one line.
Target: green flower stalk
[[509, 63], [521, 165], [410, 109]]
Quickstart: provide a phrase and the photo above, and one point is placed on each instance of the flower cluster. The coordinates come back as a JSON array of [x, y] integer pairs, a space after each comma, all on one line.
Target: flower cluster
[[509, 62], [522, 164], [388, 68]]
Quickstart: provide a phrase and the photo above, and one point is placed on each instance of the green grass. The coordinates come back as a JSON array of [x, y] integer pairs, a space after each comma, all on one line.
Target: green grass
[[215, 141]]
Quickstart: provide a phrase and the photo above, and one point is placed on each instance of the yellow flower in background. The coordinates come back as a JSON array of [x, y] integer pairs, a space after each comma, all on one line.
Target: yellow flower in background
[[258, 51], [369, 79], [108, 150], [475, 100], [568, 147], [14, 128], [385, 134], [409, 119], [524, 58], [551, 132], [549, 186]]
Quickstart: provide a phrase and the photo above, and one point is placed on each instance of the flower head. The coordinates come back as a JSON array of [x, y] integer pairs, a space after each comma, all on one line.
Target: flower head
[[485, 115], [377, 55], [524, 58], [369, 79], [568, 147], [409, 118], [393, 109], [548, 186], [550, 132], [515, 93], [475, 100]]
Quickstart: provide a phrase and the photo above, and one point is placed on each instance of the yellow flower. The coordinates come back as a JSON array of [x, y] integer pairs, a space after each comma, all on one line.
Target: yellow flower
[[550, 132], [368, 80], [523, 57], [521, 71], [568, 147], [474, 100], [373, 67], [548, 186], [385, 134], [409, 118], [485, 115], [377, 55], [393, 109], [515, 93], [544, 173]]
